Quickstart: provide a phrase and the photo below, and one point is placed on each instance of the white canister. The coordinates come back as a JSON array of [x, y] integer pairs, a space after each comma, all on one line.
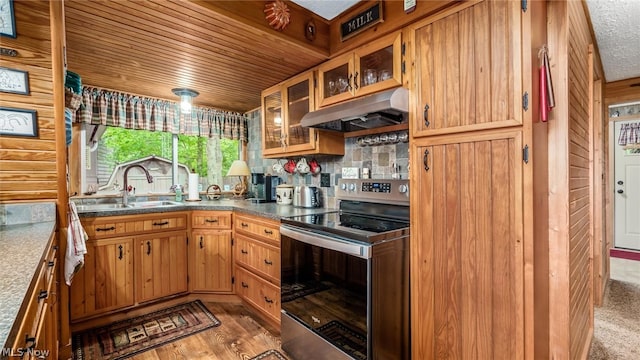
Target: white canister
[[284, 194]]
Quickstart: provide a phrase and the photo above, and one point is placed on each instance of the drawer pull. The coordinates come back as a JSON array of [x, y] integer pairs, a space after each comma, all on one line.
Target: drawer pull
[[120, 255], [268, 232], [266, 299], [245, 285], [160, 223], [148, 247], [55, 247], [106, 229], [268, 262], [43, 294], [211, 220], [244, 224], [244, 251], [201, 244], [51, 263]]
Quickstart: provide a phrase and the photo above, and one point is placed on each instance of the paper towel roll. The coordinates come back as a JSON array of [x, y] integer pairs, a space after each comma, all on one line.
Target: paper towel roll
[[193, 187]]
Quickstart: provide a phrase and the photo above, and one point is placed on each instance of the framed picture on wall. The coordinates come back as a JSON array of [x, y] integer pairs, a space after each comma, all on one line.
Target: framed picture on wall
[[18, 122], [14, 81], [7, 19]]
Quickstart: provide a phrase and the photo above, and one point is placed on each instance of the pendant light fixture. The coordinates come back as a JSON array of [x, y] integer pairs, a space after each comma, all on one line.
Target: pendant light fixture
[[186, 98]]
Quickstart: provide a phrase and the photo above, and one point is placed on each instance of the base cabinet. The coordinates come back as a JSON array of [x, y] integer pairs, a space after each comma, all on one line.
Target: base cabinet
[[162, 262], [210, 255], [130, 259], [106, 281], [257, 264], [210, 261]]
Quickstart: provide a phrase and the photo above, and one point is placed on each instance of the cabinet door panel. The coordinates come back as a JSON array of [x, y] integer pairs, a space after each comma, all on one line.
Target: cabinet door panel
[[467, 70], [212, 261], [106, 281], [162, 261], [466, 249]]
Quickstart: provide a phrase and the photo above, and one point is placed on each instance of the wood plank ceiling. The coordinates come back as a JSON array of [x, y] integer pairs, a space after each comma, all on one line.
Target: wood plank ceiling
[[149, 47]]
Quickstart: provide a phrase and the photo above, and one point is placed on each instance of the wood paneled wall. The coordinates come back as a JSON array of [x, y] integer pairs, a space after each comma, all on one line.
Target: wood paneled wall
[[570, 179], [622, 91], [28, 165], [580, 267]]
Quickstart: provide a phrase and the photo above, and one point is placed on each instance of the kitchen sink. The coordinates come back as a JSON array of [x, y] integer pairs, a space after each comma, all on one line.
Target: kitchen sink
[[97, 207], [147, 204]]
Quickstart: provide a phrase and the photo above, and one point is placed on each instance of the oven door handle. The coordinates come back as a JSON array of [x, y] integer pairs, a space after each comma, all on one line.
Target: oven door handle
[[327, 242]]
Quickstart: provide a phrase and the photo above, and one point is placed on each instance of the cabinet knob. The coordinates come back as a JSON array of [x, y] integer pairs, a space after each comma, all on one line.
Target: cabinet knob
[[268, 262], [245, 285], [244, 251], [268, 232], [266, 299], [620, 191]]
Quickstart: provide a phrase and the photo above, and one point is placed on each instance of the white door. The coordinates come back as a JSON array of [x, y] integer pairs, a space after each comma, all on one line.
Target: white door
[[626, 193]]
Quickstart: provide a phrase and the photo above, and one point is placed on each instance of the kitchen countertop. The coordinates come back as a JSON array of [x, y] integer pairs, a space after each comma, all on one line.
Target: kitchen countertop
[[268, 210], [23, 247]]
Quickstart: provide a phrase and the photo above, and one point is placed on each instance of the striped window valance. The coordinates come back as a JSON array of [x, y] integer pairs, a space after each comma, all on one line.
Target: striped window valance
[[111, 108], [629, 134]]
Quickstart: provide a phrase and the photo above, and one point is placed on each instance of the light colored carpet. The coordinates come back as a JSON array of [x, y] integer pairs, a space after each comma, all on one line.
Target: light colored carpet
[[616, 333]]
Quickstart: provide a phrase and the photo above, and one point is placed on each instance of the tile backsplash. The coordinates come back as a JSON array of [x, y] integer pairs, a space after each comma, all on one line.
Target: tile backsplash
[[380, 159], [16, 214]]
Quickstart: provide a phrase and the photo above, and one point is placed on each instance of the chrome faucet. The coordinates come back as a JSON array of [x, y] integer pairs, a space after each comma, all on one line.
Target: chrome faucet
[[125, 197]]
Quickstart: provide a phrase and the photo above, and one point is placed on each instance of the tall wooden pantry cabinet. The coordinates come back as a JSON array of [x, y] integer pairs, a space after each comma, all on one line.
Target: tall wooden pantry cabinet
[[471, 280]]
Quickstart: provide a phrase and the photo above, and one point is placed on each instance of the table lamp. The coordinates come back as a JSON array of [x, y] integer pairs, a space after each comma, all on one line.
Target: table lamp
[[240, 169]]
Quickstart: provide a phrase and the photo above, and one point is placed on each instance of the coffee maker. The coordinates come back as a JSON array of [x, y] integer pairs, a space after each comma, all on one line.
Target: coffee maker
[[264, 187]]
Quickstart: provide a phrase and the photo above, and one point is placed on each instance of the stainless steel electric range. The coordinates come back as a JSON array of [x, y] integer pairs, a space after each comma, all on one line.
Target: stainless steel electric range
[[345, 280]]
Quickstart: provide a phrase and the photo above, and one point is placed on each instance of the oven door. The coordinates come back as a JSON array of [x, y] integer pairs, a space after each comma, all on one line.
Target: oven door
[[325, 295]]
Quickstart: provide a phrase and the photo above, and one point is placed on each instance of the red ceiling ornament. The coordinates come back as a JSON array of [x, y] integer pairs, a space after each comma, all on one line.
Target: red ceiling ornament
[[277, 14]]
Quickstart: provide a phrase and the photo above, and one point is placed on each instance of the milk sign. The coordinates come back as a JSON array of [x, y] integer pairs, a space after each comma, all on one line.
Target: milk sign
[[361, 21]]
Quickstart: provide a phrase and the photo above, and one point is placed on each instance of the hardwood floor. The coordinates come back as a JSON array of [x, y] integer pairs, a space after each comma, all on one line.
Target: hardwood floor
[[240, 336]]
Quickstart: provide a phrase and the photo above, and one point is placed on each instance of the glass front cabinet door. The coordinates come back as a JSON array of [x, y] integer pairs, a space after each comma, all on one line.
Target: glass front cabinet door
[[284, 106], [371, 68]]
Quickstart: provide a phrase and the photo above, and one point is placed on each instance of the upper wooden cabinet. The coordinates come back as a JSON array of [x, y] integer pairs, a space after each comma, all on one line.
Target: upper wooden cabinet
[[283, 106], [467, 69], [371, 68]]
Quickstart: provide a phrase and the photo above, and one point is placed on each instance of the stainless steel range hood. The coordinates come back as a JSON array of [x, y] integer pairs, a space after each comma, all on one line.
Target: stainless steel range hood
[[386, 108]]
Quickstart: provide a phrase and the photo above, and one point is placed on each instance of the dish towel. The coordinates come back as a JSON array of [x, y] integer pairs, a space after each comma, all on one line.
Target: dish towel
[[76, 245]]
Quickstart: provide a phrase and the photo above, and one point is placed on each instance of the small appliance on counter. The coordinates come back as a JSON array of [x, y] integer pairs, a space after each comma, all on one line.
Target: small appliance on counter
[[264, 187], [306, 196], [284, 194]]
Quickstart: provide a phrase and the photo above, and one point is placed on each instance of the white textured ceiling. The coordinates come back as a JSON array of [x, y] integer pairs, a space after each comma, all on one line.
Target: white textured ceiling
[[616, 24], [328, 9]]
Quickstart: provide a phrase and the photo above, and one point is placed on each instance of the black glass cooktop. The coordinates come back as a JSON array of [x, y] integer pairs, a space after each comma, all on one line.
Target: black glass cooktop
[[351, 226]]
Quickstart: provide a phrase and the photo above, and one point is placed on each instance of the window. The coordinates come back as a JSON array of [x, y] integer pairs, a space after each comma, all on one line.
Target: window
[[118, 147]]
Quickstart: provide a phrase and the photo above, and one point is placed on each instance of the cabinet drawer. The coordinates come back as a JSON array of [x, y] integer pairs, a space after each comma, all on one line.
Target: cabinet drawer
[[259, 293], [260, 257], [103, 227], [31, 322], [211, 219], [264, 229]]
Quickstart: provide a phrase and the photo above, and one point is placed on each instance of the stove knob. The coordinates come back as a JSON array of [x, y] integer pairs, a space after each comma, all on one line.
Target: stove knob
[[403, 188], [343, 186], [352, 187]]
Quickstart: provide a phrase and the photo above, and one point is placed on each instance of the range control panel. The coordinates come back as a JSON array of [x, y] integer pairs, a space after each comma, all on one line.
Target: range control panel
[[373, 190]]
